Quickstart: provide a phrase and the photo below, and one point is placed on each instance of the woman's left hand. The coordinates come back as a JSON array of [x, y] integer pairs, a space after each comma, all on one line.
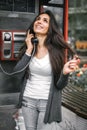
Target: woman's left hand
[[71, 65]]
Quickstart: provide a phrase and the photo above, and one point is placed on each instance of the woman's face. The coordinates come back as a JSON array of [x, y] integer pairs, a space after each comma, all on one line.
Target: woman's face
[[41, 25]]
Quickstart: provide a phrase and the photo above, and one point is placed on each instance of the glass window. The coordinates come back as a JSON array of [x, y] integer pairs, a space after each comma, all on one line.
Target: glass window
[[78, 28]]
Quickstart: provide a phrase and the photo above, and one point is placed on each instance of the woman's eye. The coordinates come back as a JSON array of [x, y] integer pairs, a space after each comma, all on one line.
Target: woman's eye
[[38, 18], [46, 20]]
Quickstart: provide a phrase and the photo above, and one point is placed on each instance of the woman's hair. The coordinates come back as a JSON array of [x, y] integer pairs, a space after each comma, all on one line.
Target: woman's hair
[[55, 44]]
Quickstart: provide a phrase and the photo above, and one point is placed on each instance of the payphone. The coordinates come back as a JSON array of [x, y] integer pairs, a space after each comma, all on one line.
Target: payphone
[[10, 44]]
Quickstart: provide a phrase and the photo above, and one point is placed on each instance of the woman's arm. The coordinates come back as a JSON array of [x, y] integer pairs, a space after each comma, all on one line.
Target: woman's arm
[[23, 63], [20, 68], [62, 82]]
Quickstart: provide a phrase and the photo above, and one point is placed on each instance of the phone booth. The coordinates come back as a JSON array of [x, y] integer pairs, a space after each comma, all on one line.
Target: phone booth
[[10, 43]]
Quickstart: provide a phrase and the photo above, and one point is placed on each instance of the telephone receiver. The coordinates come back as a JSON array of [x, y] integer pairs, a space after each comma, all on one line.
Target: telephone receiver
[[34, 40]]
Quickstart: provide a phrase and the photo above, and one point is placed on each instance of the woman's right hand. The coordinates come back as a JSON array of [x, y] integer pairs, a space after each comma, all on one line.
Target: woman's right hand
[[29, 43]]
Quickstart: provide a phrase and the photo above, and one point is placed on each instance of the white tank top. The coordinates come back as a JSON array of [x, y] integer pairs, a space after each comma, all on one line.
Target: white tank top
[[41, 76]]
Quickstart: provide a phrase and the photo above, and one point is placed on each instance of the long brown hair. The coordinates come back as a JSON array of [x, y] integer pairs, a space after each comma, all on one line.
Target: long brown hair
[[55, 44]]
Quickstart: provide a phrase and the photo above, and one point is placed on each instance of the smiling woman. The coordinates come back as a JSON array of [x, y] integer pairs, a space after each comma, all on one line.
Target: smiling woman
[[46, 74]]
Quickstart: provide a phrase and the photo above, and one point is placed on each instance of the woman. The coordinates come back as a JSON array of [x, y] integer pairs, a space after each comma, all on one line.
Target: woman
[[46, 73]]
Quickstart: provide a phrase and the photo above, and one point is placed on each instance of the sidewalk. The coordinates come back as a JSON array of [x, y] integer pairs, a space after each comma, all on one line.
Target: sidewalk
[[71, 121]]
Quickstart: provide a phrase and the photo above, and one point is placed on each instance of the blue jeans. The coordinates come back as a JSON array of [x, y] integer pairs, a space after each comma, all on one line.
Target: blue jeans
[[33, 113]]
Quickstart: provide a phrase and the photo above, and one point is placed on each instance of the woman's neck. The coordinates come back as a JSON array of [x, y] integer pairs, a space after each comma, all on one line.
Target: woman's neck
[[41, 39]]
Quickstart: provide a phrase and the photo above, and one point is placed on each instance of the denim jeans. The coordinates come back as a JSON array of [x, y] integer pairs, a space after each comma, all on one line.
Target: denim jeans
[[33, 113]]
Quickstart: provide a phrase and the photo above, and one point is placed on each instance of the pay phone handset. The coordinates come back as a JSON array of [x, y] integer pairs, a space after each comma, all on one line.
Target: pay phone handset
[[34, 42]]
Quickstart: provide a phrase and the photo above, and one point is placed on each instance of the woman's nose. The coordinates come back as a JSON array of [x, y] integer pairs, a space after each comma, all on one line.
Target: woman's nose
[[40, 21]]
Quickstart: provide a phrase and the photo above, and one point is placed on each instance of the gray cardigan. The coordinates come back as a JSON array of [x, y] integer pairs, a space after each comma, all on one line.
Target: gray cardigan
[[53, 109]]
